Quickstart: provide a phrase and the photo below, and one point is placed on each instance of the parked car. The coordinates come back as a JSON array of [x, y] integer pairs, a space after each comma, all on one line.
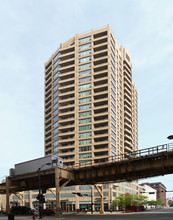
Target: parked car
[[2, 212], [20, 210]]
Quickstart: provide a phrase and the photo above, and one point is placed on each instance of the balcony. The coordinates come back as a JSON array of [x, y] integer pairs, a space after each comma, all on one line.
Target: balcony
[[128, 149], [100, 62], [100, 139], [100, 75], [48, 76], [101, 103], [47, 94], [128, 114], [101, 111], [100, 35], [101, 89], [126, 64], [99, 48], [100, 55], [101, 82], [48, 88], [69, 119], [67, 132], [127, 85], [100, 41], [101, 154], [127, 107], [127, 101], [101, 147], [66, 51], [66, 81], [68, 89], [101, 133], [67, 56], [128, 120], [101, 67], [66, 125], [48, 116], [103, 117], [66, 111], [103, 96], [66, 102]]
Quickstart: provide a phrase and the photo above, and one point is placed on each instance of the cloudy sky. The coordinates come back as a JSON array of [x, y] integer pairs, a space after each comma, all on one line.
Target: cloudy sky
[[30, 31]]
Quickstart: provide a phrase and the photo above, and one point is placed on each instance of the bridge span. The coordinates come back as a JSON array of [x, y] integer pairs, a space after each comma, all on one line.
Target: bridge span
[[144, 163]]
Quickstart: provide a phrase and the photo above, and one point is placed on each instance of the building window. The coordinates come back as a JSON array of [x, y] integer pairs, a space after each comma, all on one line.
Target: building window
[[85, 93], [85, 66], [113, 148], [56, 93], [55, 131], [85, 134], [86, 155], [56, 87], [84, 114], [84, 100], [55, 124], [84, 107], [113, 134], [85, 162], [56, 105], [56, 69], [55, 143], [86, 141], [84, 73], [84, 53], [113, 141], [55, 149], [113, 114], [113, 120], [55, 99], [56, 75], [83, 121], [85, 59], [55, 82], [56, 57], [85, 86], [83, 40], [84, 127], [86, 79], [56, 62], [86, 148], [56, 112], [55, 118]]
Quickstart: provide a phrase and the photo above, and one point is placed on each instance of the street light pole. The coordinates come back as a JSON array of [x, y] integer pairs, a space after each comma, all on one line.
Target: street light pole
[[40, 195], [91, 200]]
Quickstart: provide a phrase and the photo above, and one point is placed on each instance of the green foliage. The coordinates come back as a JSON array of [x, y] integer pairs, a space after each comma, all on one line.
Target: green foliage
[[159, 202], [152, 203], [128, 200], [171, 204]]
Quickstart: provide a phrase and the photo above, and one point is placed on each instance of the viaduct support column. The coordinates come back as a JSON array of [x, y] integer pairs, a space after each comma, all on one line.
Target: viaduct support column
[[7, 195], [57, 184]]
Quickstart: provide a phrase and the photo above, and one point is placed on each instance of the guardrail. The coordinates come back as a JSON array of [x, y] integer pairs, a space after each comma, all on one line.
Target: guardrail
[[133, 155]]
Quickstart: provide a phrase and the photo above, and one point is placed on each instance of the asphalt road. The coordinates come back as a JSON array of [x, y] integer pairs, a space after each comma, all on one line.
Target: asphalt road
[[156, 214]]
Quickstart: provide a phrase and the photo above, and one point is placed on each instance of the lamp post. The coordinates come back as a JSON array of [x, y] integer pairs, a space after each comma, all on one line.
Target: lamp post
[[40, 196]]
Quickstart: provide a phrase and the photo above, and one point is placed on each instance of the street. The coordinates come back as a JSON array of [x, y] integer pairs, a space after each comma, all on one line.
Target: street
[[155, 214]]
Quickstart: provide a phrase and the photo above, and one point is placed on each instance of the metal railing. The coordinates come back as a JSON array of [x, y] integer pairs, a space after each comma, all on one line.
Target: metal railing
[[133, 155]]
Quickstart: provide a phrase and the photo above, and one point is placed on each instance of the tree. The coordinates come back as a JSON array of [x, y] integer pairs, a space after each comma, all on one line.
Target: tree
[[171, 204], [125, 201], [159, 202], [152, 203]]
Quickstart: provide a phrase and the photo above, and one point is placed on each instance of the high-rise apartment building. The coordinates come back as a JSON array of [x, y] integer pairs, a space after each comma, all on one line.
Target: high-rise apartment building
[[91, 102]]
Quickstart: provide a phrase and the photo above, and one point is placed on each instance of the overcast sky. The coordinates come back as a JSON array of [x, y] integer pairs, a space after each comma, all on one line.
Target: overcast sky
[[30, 31]]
